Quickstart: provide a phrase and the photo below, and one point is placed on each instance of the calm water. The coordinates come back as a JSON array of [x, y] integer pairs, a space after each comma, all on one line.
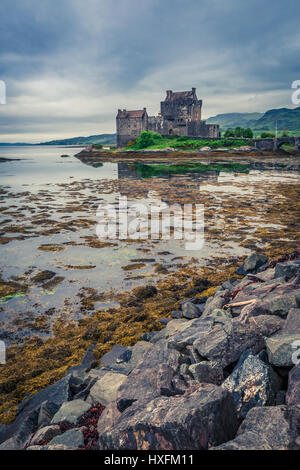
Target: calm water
[[47, 199]]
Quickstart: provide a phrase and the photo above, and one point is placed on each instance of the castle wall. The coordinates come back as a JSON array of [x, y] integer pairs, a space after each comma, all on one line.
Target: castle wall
[[201, 129], [129, 128]]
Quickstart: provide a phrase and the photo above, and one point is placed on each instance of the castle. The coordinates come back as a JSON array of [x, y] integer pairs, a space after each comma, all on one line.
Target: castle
[[180, 114]]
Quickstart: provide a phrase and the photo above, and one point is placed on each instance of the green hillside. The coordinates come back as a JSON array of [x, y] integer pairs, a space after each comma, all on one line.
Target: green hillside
[[104, 139], [287, 120], [233, 120]]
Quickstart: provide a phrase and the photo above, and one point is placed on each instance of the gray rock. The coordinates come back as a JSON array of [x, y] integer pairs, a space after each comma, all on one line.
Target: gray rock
[[190, 311], [293, 391], [226, 342], [71, 411], [28, 413], [288, 270], [151, 378], [252, 383], [124, 360], [108, 418], [292, 323], [13, 443], [218, 312], [252, 264], [176, 314], [106, 389], [217, 302], [207, 372], [46, 412], [45, 434], [204, 416], [267, 428], [71, 439], [190, 333], [281, 349]]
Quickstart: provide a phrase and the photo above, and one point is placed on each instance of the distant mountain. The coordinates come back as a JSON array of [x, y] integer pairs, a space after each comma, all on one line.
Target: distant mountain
[[287, 119], [104, 139], [232, 120]]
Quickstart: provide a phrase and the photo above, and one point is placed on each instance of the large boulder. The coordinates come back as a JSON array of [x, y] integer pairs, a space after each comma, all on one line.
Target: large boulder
[[293, 391], [152, 377], [203, 417], [45, 434], [281, 349], [105, 390], [288, 270], [226, 342], [190, 311], [124, 360], [267, 428], [71, 411], [252, 264], [292, 323], [252, 383], [28, 413], [207, 372], [72, 439]]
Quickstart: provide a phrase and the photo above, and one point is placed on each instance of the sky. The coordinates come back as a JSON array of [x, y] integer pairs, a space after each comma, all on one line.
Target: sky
[[68, 65]]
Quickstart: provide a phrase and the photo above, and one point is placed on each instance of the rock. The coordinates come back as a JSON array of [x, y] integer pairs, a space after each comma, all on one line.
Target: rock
[[164, 321], [281, 349], [217, 302], [190, 310], [226, 342], [292, 323], [252, 264], [144, 292], [147, 336], [293, 391], [71, 439], [45, 434], [13, 443], [252, 383], [46, 412], [28, 413], [176, 314], [106, 389], [280, 304], [71, 411], [86, 362], [124, 360], [152, 376], [43, 276], [218, 312], [280, 397], [266, 428], [190, 333], [172, 329], [287, 270], [207, 372], [203, 416], [108, 418]]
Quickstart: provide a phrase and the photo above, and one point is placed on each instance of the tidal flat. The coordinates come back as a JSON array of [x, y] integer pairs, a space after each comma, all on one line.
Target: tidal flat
[[63, 290]]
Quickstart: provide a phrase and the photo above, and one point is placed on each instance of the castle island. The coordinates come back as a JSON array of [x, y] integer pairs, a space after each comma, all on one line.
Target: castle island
[[180, 114]]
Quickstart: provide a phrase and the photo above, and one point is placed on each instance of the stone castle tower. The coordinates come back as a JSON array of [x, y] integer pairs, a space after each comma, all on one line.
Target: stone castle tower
[[180, 115]]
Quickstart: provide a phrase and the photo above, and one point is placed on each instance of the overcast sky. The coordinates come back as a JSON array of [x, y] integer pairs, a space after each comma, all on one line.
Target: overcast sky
[[69, 65]]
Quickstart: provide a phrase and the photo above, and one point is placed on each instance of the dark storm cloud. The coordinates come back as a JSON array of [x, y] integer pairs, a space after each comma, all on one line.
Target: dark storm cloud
[[70, 64]]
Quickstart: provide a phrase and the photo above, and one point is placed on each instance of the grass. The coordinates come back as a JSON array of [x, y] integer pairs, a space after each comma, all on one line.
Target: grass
[[148, 171], [155, 141]]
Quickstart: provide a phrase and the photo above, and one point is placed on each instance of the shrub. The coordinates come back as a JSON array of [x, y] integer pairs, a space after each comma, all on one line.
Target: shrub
[[267, 135]]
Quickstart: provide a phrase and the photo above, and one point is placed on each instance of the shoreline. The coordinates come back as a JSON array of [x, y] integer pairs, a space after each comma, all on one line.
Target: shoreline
[[258, 272]]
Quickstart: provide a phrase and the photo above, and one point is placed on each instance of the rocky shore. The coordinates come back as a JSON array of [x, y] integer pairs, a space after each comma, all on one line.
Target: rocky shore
[[223, 374]]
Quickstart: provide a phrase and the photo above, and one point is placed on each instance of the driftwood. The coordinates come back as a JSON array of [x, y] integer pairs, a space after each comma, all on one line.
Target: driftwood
[[239, 304]]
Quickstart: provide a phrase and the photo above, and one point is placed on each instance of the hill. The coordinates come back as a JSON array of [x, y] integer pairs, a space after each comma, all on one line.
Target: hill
[[232, 120], [104, 139], [287, 119]]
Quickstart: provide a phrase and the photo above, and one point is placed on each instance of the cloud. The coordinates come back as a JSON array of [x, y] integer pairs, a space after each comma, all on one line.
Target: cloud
[[70, 65]]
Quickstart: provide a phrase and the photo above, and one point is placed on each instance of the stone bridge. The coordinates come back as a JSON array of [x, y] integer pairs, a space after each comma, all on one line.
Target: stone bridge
[[276, 143]]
